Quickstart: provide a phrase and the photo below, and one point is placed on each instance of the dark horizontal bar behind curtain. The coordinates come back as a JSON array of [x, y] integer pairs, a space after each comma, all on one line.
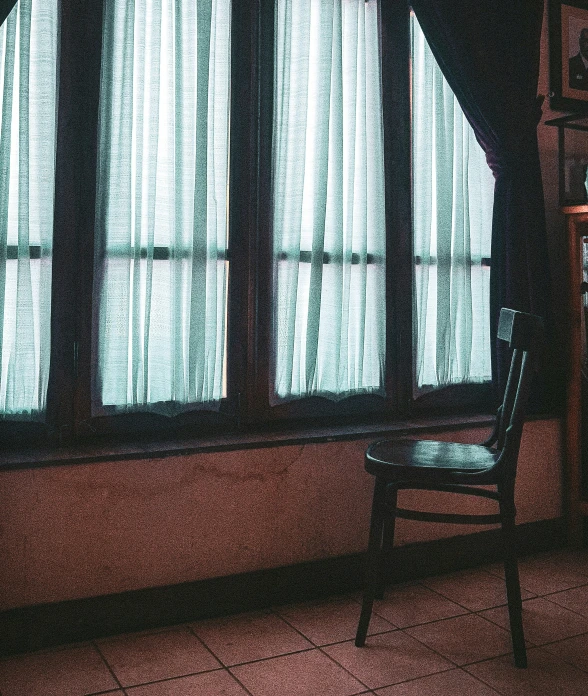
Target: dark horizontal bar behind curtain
[[306, 257], [34, 252], [434, 260], [161, 253]]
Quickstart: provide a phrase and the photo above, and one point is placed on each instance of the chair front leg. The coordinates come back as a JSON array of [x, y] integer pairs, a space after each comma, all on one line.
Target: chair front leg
[[513, 587], [387, 541], [373, 560]]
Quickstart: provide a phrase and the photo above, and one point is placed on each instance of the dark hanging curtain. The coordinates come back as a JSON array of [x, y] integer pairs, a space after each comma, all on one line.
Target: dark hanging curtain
[[5, 9], [489, 54]]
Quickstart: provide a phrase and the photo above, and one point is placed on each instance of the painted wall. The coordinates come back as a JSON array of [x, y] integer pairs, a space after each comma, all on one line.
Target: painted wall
[[79, 531], [86, 530], [549, 164]]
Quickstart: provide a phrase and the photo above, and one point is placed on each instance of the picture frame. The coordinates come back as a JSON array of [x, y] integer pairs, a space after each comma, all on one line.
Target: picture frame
[[568, 55]]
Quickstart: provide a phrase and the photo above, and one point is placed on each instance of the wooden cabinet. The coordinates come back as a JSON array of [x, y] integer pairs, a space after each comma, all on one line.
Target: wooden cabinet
[[576, 441]]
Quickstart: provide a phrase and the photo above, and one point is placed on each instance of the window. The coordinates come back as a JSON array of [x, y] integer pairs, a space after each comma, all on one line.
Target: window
[[161, 265], [28, 84], [452, 221], [234, 218], [329, 230]]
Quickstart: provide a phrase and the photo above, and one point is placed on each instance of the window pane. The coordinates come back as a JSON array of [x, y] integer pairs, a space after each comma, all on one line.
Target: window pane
[[28, 86], [453, 191], [161, 262], [328, 191]]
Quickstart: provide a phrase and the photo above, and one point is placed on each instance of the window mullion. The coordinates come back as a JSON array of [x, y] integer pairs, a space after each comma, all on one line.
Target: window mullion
[[395, 42]]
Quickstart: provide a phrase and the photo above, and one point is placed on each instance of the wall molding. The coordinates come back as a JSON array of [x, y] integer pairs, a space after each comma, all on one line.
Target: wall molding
[[41, 626]]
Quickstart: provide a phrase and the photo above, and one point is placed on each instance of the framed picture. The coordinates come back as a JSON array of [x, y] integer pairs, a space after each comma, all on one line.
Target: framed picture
[[568, 55]]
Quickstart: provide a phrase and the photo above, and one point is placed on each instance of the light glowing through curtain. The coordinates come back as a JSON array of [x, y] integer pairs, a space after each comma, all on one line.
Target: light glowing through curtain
[[453, 191], [328, 201], [28, 89], [161, 257]]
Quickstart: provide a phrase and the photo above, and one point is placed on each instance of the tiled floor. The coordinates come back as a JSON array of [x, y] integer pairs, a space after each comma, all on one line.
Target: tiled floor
[[443, 636]]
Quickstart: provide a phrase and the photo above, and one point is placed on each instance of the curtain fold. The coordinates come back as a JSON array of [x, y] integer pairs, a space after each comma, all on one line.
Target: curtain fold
[[328, 201], [489, 54], [28, 85], [453, 191], [161, 270]]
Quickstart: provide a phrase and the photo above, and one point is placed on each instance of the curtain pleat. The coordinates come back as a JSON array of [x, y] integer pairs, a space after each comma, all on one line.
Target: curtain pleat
[[28, 84], [161, 271], [328, 201], [453, 191]]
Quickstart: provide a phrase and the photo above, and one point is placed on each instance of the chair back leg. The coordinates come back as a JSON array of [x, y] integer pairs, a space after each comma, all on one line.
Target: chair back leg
[[513, 587]]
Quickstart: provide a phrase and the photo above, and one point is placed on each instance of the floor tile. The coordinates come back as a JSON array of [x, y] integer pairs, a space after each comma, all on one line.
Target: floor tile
[[573, 650], [143, 658], [388, 658], [330, 622], [248, 637], [218, 683], [464, 639], [409, 605], [74, 671], [543, 621], [444, 684], [543, 574], [474, 589], [546, 675], [308, 673], [575, 599]]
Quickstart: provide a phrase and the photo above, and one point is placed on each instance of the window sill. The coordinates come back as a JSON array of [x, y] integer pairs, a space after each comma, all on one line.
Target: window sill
[[85, 454]]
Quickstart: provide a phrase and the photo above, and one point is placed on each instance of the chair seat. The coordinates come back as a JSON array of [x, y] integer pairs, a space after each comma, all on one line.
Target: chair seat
[[428, 460]]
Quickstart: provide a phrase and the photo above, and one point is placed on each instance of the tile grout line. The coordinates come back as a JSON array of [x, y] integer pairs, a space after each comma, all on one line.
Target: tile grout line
[[313, 647], [531, 644], [490, 686], [221, 666], [167, 679], [336, 642], [369, 689], [225, 667], [103, 658], [385, 686]]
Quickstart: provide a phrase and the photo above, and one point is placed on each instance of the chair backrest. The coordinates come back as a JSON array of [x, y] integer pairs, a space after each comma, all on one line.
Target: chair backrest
[[524, 334]]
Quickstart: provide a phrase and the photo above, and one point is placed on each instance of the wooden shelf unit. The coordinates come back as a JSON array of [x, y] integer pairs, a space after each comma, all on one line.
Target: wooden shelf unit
[[576, 506]]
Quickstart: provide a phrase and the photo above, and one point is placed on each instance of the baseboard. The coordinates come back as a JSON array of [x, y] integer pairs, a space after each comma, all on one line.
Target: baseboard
[[41, 626]]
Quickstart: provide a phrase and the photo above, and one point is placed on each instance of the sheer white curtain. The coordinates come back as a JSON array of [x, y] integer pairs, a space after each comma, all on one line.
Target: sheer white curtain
[[453, 191], [28, 87], [161, 264], [328, 201]]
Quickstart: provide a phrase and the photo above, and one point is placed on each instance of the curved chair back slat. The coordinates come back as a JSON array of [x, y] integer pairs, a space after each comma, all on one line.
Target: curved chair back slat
[[524, 334]]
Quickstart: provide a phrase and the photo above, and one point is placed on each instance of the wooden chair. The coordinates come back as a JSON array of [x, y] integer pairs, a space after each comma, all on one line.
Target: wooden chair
[[458, 468]]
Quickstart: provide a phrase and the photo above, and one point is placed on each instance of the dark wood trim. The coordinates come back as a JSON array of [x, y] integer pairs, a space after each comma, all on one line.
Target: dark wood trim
[[242, 197], [87, 54], [43, 626], [396, 114], [260, 246]]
